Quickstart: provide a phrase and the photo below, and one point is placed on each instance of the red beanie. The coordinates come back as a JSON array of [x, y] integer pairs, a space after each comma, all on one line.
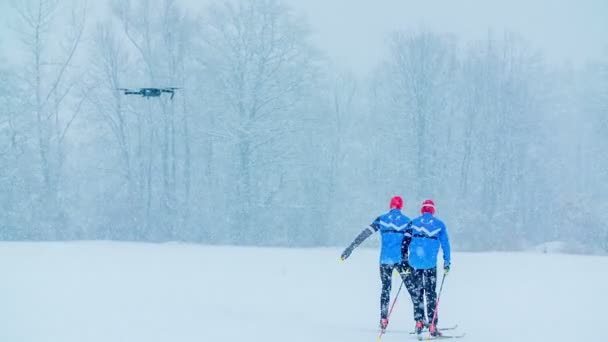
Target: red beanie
[[428, 206], [396, 202]]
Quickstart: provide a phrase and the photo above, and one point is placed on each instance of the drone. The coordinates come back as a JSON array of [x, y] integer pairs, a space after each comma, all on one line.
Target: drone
[[149, 92]]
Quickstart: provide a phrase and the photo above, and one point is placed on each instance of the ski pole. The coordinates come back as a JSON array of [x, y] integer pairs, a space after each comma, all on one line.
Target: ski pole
[[437, 305], [390, 311]]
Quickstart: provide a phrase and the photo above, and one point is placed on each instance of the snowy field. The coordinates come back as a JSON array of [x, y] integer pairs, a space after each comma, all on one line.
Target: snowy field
[[111, 292]]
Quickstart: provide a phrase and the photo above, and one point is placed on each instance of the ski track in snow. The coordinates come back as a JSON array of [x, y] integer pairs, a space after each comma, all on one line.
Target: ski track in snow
[[111, 291]]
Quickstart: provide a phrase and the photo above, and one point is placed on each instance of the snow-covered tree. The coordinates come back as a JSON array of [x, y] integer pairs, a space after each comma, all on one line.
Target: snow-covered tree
[[501, 111], [421, 76], [49, 78], [259, 59]]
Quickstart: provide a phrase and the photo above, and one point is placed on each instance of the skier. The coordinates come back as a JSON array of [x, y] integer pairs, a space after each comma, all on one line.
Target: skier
[[428, 233], [392, 226]]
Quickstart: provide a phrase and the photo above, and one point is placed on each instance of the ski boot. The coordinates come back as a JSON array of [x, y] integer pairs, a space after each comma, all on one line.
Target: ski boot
[[419, 327], [383, 323], [434, 331]]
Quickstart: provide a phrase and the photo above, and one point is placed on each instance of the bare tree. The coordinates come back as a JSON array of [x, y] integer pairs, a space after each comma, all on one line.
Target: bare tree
[[159, 41], [13, 162], [345, 113], [110, 66], [258, 56], [422, 68], [50, 84], [501, 108]]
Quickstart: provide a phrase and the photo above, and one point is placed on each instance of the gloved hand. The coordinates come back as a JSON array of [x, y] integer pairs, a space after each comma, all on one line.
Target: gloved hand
[[346, 254], [446, 268], [406, 270]]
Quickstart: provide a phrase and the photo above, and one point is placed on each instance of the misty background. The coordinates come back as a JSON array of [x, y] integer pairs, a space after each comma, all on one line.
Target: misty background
[[296, 121]]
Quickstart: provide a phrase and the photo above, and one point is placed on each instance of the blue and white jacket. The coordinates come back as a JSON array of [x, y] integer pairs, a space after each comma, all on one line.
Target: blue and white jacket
[[428, 233], [392, 227]]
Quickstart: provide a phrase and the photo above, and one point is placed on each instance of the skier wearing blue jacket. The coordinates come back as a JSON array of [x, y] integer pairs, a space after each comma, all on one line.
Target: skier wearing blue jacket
[[392, 226], [428, 233]]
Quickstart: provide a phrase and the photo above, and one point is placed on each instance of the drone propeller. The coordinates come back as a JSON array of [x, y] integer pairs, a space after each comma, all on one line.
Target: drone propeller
[[129, 91], [170, 90]]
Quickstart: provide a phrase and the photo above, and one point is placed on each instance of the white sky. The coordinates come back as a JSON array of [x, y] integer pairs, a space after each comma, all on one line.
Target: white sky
[[353, 32]]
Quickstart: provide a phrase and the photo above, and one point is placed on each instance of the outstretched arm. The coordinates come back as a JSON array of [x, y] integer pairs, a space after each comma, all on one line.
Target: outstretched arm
[[367, 232]]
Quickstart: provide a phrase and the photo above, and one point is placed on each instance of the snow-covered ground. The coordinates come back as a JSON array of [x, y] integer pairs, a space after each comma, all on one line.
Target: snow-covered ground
[[111, 292]]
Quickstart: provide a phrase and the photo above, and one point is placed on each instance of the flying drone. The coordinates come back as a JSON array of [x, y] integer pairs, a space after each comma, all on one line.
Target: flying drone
[[149, 92]]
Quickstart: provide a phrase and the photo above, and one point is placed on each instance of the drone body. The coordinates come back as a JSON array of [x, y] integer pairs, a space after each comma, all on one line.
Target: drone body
[[149, 92]]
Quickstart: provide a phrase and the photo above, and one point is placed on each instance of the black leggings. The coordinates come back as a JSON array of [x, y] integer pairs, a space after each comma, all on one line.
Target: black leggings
[[423, 284], [386, 272]]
